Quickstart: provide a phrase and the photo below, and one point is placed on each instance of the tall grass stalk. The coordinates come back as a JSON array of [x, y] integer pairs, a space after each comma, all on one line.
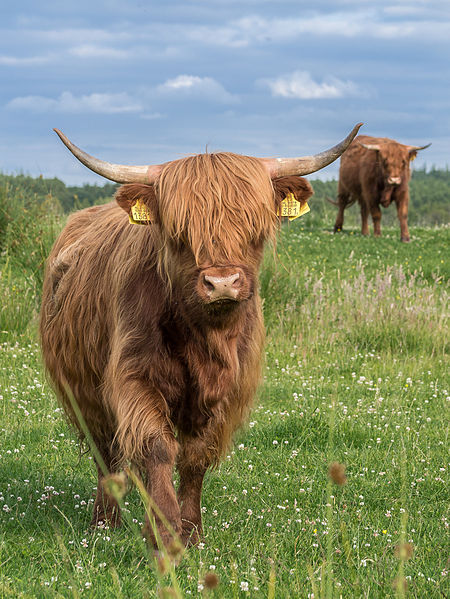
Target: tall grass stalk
[[329, 575], [151, 507]]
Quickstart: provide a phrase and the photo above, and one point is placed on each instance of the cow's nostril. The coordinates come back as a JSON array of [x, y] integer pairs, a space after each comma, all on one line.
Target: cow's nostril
[[208, 284], [236, 282]]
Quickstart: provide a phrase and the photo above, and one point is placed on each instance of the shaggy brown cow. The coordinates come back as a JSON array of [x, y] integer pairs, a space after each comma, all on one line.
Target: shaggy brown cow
[[157, 330], [374, 171]]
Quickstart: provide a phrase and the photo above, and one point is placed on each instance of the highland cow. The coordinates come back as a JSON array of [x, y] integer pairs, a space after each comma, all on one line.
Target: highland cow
[[374, 171], [156, 330]]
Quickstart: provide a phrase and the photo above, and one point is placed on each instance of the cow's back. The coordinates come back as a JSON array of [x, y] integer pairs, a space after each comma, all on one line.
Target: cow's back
[[358, 166]]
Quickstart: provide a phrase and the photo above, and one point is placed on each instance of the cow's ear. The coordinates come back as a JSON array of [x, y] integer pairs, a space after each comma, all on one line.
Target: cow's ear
[[298, 186], [412, 154], [139, 202]]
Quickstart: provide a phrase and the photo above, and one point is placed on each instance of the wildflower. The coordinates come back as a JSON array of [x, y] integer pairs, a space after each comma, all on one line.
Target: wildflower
[[244, 586], [336, 472]]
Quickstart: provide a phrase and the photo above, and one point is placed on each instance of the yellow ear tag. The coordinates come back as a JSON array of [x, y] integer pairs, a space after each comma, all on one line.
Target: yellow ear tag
[[140, 214], [292, 208]]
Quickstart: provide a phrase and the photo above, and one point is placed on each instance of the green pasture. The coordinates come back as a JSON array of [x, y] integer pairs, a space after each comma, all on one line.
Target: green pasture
[[355, 373]]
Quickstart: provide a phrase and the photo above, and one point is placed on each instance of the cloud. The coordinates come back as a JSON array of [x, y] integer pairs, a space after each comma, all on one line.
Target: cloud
[[24, 61], [93, 51], [370, 23], [199, 87], [69, 103], [301, 85]]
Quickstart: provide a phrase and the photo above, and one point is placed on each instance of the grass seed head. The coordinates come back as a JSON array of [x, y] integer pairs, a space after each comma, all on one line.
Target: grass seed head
[[211, 580], [115, 485], [404, 551], [162, 563], [175, 550], [167, 593], [400, 584], [336, 472]]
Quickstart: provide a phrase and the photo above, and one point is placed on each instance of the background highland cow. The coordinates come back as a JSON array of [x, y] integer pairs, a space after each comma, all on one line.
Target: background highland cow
[[375, 171]]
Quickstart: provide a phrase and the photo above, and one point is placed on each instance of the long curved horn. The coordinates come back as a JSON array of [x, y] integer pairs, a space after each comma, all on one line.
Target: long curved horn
[[120, 173], [417, 148], [282, 167]]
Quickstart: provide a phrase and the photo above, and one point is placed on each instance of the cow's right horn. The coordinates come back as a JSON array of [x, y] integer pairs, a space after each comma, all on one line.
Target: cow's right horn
[[282, 167], [120, 173], [417, 148]]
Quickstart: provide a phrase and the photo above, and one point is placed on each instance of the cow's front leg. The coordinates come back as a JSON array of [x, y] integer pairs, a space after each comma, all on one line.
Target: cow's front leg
[[106, 508], [376, 218], [144, 436], [159, 467], [192, 464], [364, 219], [402, 213], [342, 201]]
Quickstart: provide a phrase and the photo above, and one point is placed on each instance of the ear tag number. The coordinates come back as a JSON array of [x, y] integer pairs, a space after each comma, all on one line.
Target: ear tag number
[[140, 214], [291, 208]]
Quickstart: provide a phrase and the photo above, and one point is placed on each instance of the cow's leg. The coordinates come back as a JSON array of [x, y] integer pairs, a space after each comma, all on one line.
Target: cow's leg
[[192, 468], [145, 437], [376, 218], [402, 213], [159, 466], [342, 202], [106, 509], [364, 218]]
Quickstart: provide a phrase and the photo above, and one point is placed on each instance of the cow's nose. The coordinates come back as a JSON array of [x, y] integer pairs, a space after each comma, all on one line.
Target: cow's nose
[[394, 180], [226, 287]]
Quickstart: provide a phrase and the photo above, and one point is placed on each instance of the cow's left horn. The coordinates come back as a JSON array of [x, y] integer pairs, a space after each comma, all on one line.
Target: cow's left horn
[[120, 173], [417, 148], [282, 167]]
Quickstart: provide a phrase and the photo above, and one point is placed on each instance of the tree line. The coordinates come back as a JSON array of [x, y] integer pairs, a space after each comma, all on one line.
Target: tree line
[[429, 190]]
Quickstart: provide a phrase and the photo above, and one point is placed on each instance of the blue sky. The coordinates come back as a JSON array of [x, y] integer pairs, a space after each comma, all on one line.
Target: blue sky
[[140, 82]]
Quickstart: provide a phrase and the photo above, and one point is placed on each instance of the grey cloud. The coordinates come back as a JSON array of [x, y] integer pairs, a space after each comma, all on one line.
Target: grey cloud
[[69, 103]]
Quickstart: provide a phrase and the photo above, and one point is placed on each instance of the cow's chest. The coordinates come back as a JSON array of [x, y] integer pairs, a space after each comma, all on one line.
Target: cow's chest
[[208, 376]]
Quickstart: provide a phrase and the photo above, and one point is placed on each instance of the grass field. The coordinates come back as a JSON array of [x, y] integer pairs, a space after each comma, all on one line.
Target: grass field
[[355, 373]]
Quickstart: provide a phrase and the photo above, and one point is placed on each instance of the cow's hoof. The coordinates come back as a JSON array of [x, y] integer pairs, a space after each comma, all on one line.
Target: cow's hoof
[[191, 536], [405, 239], [166, 539], [110, 519]]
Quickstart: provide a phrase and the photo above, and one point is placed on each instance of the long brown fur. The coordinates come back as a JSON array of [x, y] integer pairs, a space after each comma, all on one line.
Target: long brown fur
[[160, 376]]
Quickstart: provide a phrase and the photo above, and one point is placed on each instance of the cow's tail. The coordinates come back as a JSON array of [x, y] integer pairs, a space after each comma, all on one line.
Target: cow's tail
[[347, 205]]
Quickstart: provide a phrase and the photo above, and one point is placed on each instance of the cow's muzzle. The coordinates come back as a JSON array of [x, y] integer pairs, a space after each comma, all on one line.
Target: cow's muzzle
[[394, 181], [222, 285]]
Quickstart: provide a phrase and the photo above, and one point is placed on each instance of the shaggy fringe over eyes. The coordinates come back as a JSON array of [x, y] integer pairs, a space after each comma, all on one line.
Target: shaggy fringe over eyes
[[217, 204]]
